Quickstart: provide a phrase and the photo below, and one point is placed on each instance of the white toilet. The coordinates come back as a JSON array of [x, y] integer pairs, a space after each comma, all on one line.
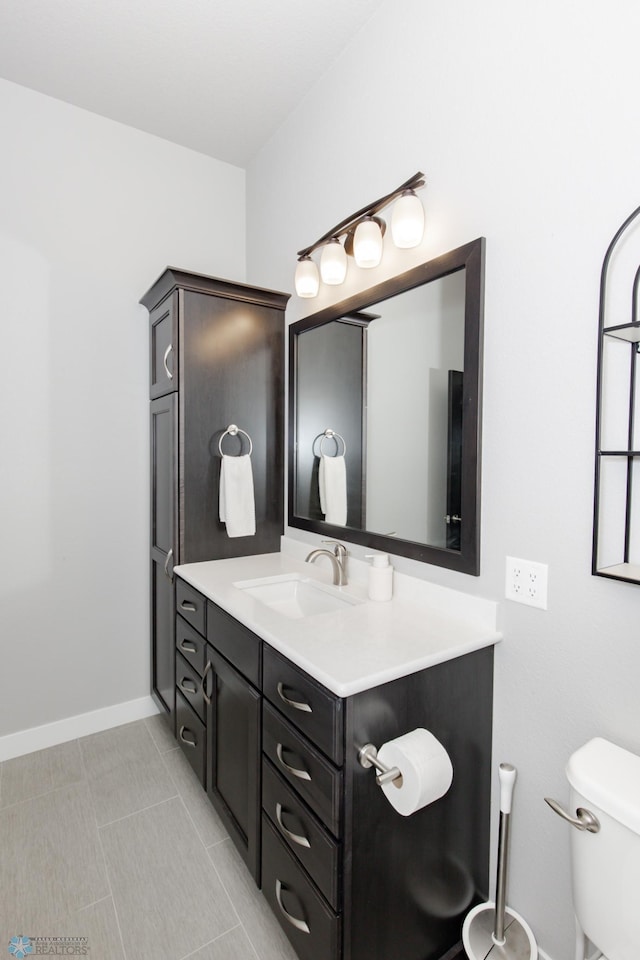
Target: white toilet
[[605, 781]]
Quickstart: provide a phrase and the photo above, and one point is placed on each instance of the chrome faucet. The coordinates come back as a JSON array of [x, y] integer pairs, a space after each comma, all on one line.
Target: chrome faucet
[[338, 561]]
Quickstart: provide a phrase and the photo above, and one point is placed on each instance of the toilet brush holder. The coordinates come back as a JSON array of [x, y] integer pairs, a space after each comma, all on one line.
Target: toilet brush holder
[[492, 931]]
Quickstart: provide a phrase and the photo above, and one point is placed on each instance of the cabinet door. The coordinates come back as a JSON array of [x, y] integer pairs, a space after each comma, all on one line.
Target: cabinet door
[[164, 484], [164, 476], [162, 637], [233, 755], [164, 347]]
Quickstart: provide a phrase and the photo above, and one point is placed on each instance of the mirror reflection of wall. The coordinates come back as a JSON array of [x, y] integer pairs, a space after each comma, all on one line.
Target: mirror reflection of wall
[[417, 340]]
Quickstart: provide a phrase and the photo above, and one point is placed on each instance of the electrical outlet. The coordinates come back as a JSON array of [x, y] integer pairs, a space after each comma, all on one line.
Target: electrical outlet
[[526, 582]]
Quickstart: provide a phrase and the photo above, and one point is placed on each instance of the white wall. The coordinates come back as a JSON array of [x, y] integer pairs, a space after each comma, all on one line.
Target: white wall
[[91, 212], [524, 117]]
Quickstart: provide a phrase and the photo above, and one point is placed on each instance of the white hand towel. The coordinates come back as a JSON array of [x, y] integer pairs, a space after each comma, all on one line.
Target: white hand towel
[[332, 485], [237, 502]]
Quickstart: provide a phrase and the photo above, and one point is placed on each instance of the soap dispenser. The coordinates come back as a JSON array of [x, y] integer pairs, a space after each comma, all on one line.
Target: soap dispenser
[[380, 584]]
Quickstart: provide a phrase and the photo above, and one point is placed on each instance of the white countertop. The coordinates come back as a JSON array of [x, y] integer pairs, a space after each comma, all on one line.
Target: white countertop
[[360, 646]]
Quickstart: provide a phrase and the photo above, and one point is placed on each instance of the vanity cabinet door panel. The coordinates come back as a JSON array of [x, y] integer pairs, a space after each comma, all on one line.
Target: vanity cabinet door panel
[[191, 735], [233, 755], [312, 708], [317, 781], [191, 645], [309, 923], [191, 605], [164, 346], [241, 647], [303, 833]]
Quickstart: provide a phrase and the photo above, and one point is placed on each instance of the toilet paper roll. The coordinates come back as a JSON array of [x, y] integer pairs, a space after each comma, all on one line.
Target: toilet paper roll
[[425, 766]]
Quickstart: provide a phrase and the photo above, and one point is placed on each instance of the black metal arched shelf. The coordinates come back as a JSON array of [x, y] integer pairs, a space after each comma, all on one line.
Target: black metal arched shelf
[[616, 540]]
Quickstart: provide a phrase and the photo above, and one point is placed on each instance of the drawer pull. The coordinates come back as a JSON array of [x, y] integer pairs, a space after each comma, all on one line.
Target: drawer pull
[[164, 361], [190, 743], [295, 837], [187, 605], [187, 685], [298, 924], [168, 559], [301, 774], [207, 671], [189, 646], [296, 704]]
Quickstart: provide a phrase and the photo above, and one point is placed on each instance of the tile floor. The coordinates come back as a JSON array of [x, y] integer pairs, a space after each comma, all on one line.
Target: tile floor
[[112, 838]]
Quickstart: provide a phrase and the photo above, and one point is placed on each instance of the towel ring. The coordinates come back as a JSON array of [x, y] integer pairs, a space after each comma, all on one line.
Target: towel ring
[[332, 435], [233, 431]]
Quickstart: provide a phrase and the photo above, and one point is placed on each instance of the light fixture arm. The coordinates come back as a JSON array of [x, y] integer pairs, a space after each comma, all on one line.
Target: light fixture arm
[[348, 225]]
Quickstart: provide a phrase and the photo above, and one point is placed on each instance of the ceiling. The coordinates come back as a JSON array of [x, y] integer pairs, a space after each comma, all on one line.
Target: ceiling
[[218, 76]]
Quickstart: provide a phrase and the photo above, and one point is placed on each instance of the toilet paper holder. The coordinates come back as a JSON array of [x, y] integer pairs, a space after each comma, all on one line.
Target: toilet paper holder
[[368, 757]]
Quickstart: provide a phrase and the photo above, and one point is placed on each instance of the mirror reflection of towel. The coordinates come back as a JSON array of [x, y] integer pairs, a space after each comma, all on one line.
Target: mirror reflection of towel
[[237, 502], [332, 486]]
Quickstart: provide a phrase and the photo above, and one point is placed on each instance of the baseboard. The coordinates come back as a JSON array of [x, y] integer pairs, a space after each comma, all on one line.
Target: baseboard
[[51, 734]]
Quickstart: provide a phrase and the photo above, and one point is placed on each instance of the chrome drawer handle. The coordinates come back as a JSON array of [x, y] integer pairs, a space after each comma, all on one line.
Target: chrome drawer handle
[[298, 924], [207, 670], [583, 820], [166, 565], [189, 646], [187, 605], [295, 837], [190, 743], [187, 685], [301, 774], [296, 704], [164, 361]]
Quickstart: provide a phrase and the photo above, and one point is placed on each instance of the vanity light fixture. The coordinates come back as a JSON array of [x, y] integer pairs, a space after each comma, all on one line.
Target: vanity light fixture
[[333, 262], [307, 280], [360, 236]]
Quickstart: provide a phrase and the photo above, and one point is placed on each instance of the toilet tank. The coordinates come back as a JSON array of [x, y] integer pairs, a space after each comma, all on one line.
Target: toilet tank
[[605, 779]]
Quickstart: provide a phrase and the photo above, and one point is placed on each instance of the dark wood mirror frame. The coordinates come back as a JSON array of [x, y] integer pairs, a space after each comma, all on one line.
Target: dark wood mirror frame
[[469, 257]]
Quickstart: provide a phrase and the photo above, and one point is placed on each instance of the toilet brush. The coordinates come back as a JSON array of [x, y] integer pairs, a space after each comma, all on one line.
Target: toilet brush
[[493, 931]]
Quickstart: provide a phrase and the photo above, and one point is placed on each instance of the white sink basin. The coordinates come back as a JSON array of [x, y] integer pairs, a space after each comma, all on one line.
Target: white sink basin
[[295, 596]]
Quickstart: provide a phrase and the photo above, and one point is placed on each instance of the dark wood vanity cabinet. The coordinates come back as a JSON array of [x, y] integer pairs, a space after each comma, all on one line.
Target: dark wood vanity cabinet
[[346, 875], [216, 359]]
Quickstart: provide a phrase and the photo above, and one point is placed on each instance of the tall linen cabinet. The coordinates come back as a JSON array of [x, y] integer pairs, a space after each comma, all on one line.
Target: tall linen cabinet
[[216, 359]]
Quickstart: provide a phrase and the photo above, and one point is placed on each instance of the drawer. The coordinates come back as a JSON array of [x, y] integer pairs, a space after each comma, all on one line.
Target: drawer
[[191, 645], [191, 735], [311, 707], [189, 684], [303, 767], [310, 924], [191, 605], [302, 833], [241, 647]]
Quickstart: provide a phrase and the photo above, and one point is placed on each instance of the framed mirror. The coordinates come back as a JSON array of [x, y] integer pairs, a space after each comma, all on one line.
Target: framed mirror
[[385, 393]]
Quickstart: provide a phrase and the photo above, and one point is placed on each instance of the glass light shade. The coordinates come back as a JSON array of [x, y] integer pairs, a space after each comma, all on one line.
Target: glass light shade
[[333, 262], [367, 243], [407, 220], [307, 280]]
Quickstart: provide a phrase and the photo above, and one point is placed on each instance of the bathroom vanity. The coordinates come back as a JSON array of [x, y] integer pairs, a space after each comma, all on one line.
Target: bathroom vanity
[[272, 709]]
